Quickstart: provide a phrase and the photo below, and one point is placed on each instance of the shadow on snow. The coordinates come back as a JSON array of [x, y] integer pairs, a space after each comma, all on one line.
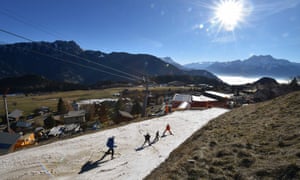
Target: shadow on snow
[[91, 165]]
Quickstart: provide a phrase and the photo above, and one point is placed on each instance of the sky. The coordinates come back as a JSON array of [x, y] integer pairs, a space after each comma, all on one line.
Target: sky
[[185, 30]]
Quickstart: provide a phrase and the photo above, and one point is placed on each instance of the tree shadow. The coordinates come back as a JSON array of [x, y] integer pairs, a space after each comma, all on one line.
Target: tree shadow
[[91, 165]]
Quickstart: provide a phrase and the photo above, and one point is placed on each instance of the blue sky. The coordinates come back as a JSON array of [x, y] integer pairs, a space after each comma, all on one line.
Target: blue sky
[[185, 30]]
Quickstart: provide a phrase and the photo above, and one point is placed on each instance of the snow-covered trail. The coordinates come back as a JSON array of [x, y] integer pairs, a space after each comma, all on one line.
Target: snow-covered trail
[[65, 159]]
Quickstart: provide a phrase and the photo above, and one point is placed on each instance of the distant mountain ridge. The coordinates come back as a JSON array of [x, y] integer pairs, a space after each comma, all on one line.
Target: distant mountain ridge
[[59, 61], [174, 63], [263, 65]]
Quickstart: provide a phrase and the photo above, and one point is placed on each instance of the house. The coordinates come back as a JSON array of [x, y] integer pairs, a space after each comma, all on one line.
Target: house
[[74, 117], [186, 101], [42, 110], [15, 115], [7, 142], [21, 126], [218, 95], [178, 99], [200, 102], [224, 100]]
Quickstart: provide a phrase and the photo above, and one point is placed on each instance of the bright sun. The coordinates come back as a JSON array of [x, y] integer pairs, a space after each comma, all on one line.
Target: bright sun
[[229, 13]]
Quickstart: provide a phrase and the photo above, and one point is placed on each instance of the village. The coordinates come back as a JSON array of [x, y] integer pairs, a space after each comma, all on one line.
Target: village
[[70, 119]]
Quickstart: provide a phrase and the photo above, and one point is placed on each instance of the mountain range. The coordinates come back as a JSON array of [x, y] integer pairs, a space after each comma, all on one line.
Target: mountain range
[[66, 61], [255, 66]]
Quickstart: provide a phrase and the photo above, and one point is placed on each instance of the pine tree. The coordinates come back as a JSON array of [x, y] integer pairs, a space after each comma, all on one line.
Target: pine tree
[[61, 107], [49, 122], [136, 108]]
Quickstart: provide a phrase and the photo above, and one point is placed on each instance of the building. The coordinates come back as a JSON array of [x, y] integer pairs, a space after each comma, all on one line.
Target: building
[[15, 115], [223, 100], [179, 99], [74, 117], [7, 142], [210, 99], [200, 102]]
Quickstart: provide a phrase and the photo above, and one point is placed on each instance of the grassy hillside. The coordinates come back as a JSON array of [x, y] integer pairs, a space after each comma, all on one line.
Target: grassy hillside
[[259, 141]]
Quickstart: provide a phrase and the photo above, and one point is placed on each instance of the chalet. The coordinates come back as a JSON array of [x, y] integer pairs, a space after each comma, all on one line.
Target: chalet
[[74, 117], [186, 101], [200, 102], [15, 115], [181, 101], [218, 95], [223, 100]]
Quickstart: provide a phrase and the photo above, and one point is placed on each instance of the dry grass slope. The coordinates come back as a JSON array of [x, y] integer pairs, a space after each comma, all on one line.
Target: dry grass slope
[[259, 141]]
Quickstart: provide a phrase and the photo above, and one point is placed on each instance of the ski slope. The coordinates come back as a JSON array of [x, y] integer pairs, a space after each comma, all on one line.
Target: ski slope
[[80, 157]]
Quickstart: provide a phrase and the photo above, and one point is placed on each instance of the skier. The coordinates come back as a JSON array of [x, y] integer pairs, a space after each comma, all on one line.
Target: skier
[[156, 137], [147, 139], [110, 144], [168, 128]]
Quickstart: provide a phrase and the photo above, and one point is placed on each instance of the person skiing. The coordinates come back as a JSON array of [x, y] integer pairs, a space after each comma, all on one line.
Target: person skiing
[[110, 144], [147, 139], [156, 137], [168, 128]]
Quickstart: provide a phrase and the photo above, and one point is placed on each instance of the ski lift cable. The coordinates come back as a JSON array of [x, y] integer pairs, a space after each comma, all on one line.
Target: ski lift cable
[[89, 61], [19, 19], [70, 62], [85, 66]]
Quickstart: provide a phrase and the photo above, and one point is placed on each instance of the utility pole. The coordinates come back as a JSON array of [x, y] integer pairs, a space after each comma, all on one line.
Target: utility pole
[[146, 97], [144, 113], [6, 109]]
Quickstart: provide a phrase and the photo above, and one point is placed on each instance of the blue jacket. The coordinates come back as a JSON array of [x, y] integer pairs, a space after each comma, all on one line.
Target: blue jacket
[[110, 143]]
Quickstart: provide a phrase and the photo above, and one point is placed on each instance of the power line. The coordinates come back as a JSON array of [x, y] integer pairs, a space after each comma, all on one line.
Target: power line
[[89, 67], [85, 59], [41, 28], [28, 23], [89, 61]]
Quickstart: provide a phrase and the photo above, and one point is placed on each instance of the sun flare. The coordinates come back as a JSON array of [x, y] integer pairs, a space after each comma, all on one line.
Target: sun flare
[[229, 14]]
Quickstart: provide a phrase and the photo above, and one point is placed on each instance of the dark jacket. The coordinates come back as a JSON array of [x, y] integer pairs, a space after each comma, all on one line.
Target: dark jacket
[[110, 143]]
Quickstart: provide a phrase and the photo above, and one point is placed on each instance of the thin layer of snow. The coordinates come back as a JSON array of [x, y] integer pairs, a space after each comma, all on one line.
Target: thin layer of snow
[[97, 101], [182, 97], [223, 95], [202, 98], [65, 159], [184, 105]]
